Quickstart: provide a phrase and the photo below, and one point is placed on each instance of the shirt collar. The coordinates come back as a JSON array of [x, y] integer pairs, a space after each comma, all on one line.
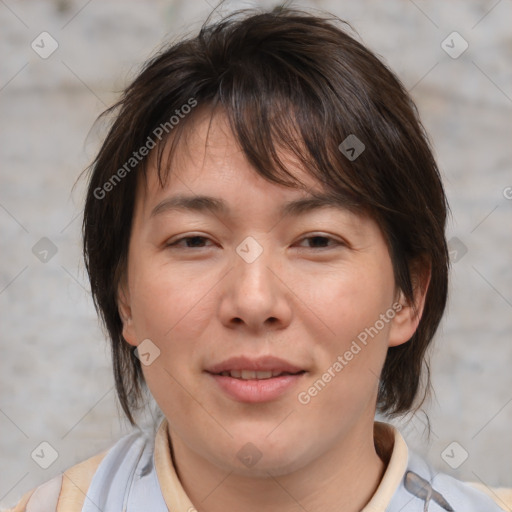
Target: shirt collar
[[392, 448]]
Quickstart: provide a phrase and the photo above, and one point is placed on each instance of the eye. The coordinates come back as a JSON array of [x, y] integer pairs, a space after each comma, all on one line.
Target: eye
[[198, 242], [191, 242], [321, 241]]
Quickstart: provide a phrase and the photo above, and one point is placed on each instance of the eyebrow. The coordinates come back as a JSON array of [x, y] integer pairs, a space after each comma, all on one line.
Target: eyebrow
[[204, 203]]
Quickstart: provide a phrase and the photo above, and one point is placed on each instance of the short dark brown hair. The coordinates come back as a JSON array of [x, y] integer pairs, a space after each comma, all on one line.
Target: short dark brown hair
[[290, 80]]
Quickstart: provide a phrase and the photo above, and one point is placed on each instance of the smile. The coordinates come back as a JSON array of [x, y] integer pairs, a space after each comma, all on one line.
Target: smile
[[252, 379], [252, 374], [251, 386]]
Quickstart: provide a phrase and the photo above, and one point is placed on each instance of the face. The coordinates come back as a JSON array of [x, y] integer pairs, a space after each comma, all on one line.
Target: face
[[264, 329]]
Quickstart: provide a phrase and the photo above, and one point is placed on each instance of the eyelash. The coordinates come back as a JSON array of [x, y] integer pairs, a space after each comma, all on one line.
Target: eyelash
[[174, 244]]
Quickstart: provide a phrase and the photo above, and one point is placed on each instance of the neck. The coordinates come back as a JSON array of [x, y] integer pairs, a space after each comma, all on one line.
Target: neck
[[345, 479]]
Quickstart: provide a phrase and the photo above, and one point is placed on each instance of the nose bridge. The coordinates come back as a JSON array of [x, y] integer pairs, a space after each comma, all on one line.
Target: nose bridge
[[253, 258], [255, 296]]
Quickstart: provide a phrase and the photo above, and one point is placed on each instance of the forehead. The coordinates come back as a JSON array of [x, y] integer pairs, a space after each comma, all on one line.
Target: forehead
[[208, 161]]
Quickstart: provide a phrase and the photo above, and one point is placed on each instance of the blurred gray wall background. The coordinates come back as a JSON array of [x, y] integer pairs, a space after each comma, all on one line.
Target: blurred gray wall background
[[56, 383]]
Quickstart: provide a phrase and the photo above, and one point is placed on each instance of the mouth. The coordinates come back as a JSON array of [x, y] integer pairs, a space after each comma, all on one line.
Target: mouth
[[247, 367], [251, 380], [256, 375]]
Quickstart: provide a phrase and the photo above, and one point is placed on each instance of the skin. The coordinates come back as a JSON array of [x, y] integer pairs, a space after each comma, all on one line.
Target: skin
[[303, 302]]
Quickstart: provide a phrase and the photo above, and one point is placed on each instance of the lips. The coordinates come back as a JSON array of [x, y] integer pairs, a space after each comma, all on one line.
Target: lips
[[243, 367], [253, 380], [252, 374]]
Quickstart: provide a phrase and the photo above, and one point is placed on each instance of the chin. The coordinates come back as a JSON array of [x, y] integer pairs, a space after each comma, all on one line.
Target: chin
[[271, 465], [259, 457]]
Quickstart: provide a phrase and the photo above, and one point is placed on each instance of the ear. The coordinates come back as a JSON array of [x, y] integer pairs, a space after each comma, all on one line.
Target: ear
[[125, 312], [408, 315]]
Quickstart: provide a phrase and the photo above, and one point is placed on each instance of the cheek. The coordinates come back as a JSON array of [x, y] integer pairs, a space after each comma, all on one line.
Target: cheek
[[164, 298], [173, 310], [351, 356], [350, 300]]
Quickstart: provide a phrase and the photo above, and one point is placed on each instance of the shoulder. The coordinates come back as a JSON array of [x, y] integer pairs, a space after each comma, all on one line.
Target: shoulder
[[436, 491], [501, 495], [411, 483], [68, 490], [65, 491]]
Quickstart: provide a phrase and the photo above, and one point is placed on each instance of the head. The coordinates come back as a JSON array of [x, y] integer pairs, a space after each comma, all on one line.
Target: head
[[321, 242]]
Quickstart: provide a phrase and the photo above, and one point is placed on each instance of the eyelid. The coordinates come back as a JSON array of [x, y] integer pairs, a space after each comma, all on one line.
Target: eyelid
[[172, 242], [338, 242]]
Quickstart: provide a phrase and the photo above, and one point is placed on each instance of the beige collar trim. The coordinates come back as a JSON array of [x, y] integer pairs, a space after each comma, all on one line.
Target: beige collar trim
[[174, 495], [397, 465]]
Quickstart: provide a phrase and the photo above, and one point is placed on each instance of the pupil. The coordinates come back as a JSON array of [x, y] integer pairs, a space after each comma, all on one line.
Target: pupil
[[317, 238], [195, 238]]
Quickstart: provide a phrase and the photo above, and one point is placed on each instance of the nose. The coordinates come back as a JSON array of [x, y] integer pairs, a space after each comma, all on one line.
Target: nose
[[255, 295]]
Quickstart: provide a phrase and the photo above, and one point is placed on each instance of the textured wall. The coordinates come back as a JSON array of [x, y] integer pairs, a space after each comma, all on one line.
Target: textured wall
[[56, 383]]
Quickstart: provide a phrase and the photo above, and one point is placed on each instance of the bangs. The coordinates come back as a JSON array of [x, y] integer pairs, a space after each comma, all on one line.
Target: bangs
[[277, 114]]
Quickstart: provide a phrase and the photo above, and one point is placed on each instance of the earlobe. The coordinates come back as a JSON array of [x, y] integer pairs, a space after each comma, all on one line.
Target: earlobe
[[408, 316], [125, 312], [404, 324]]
